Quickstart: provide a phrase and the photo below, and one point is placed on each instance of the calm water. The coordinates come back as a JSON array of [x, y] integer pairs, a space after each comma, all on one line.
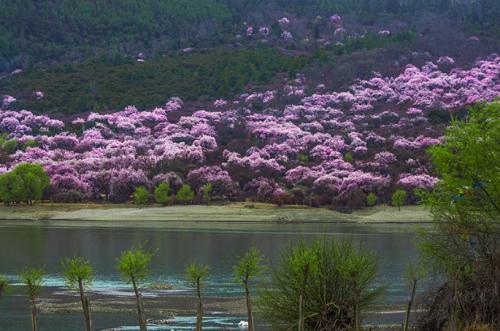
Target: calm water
[[45, 246]]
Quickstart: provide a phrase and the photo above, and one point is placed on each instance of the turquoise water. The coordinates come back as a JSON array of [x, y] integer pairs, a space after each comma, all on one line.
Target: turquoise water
[[22, 246]]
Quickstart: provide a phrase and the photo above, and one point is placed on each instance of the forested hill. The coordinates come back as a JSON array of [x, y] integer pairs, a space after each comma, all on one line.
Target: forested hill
[[54, 30]]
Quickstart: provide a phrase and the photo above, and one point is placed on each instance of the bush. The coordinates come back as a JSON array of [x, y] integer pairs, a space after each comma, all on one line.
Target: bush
[[371, 199], [162, 193], [185, 194], [141, 195], [348, 157], [398, 198], [334, 280], [10, 146], [462, 247]]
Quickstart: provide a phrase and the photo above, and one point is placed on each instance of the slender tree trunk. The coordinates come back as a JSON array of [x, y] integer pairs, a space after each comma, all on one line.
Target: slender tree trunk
[[34, 324], [199, 315], [249, 307], [85, 307], [301, 312], [406, 324], [140, 308], [357, 313]]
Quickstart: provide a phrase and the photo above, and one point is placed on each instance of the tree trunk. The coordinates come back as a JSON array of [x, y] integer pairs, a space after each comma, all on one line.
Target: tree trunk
[[199, 315], [140, 308], [301, 312], [357, 313], [406, 324], [34, 324], [85, 307], [249, 308]]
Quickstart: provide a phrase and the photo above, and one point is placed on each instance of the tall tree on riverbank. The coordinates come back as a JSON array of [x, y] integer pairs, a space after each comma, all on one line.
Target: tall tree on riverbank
[[196, 274], [133, 265], [463, 247], [79, 274], [322, 286], [246, 270], [33, 280]]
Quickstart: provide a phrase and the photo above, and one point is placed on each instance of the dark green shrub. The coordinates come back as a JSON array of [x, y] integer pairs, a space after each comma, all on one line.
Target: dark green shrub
[[328, 284]]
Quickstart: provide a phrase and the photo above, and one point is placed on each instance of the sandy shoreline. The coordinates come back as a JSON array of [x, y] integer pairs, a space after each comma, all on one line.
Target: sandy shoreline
[[202, 216]]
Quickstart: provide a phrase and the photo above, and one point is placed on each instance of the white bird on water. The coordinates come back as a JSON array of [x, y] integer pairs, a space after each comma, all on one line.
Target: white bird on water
[[243, 325]]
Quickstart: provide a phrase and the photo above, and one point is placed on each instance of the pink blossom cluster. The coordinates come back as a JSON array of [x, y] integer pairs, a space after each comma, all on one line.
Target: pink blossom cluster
[[266, 144]]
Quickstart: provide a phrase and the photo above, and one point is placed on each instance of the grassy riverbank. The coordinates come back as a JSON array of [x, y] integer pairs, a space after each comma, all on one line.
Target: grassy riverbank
[[234, 213]]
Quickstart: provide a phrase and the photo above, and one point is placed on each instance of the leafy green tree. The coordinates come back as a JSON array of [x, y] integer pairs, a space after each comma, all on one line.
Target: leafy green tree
[[79, 274], [207, 191], [249, 266], [334, 280], [133, 266], [463, 245], [185, 194], [141, 195], [4, 285], [371, 199], [398, 198], [26, 183], [196, 274], [162, 193], [33, 280]]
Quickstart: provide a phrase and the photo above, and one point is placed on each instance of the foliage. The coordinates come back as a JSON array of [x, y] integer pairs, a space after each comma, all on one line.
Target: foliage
[[33, 280], [336, 273], [103, 84], [26, 183], [248, 147], [462, 248], [77, 271], [185, 194], [162, 193], [9, 146], [398, 198], [371, 199], [249, 266], [141, 195], [196, 273], [70, 30], [133, 264], [348, 157]]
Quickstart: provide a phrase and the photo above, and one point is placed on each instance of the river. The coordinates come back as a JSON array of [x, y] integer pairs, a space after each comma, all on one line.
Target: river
[[44, 246]]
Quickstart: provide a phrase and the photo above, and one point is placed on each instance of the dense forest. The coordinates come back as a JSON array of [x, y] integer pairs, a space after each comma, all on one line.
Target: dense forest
[[34, 31], [110, 83]]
